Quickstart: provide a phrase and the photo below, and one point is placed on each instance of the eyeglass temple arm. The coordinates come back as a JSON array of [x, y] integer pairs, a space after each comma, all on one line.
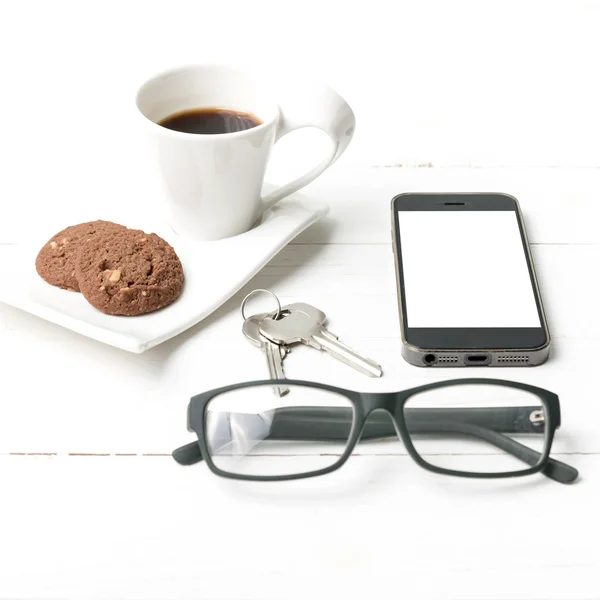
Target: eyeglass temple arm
[[329, 424], [326, 424], [554, 469], [187, 455]]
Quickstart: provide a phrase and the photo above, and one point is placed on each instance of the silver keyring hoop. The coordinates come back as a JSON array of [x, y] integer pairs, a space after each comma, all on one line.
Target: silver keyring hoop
[[256, 292]]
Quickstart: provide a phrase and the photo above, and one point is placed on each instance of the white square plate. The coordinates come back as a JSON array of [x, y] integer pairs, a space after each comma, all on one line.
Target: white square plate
[[214, 271]]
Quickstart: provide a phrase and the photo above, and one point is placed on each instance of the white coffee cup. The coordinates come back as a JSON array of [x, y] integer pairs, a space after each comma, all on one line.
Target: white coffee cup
[[214, 182]]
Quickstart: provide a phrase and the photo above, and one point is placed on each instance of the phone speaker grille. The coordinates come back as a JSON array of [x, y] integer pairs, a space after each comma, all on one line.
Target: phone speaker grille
[[513, 358], [445, 360]]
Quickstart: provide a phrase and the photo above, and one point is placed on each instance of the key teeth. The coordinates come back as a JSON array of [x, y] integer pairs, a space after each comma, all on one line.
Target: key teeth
[[274, 353], [275, 363]]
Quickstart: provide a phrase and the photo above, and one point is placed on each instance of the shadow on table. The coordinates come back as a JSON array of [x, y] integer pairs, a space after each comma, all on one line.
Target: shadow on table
[[377, 476]]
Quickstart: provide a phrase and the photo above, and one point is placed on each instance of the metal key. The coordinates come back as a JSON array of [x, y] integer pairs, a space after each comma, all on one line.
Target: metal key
[[274, 352], [304, 323]]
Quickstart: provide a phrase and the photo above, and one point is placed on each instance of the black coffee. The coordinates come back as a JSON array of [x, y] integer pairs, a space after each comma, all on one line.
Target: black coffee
[[210, 121]]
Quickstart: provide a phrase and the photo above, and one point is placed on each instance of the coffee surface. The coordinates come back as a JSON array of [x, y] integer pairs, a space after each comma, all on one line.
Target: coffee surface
[[210, 121]]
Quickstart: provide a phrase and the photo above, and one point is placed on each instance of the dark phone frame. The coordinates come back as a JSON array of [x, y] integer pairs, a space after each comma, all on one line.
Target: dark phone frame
[[305, 424], [489, 339]]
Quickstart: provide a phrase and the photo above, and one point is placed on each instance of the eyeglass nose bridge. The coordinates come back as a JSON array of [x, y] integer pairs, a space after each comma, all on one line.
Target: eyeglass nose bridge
[[379, 417], [380, 401]]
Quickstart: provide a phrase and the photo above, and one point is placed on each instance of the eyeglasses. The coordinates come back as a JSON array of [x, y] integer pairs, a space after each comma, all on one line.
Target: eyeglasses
[[481, 428]]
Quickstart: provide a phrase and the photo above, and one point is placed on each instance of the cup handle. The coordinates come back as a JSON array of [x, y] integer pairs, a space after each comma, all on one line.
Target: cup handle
[[316, 105]]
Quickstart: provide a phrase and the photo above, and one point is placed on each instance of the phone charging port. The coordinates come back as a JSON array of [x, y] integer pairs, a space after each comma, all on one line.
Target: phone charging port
[[478, 359]]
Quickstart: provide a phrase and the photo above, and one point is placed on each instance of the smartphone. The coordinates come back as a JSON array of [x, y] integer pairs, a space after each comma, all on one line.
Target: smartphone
[[467, 290]]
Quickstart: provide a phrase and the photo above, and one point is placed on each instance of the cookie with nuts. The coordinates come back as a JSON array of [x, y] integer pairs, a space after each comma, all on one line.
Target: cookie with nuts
[[129, 272], [55, 262]]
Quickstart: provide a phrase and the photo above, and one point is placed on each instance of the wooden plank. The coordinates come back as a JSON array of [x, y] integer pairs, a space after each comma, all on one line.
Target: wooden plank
[[141, 527], [559, 205], [76, 395], [348, 282], [49, 409], [516, 103]]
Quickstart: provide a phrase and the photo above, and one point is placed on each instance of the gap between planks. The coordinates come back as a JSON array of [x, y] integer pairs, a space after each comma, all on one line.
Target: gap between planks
[[160, 455], [389, 244]]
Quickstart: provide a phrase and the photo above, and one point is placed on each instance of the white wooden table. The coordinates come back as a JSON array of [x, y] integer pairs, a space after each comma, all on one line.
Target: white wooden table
[[92, 505]]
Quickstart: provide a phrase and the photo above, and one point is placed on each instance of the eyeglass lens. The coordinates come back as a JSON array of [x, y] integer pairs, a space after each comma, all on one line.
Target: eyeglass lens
[[252, 431], [469, 427]]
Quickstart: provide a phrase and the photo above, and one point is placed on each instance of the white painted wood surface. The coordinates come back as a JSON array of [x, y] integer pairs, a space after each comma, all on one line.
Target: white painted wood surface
[[92, 506], [448, 83]]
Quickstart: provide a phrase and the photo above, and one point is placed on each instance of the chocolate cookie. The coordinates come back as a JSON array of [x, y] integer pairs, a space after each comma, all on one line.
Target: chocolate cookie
[[129, 273], [55, 262]]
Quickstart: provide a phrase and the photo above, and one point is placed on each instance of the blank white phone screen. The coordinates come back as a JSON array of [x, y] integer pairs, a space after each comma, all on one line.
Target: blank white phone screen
[[465, 269]]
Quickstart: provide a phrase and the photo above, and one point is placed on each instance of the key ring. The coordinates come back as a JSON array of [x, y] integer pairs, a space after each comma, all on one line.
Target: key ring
[[277, 315]]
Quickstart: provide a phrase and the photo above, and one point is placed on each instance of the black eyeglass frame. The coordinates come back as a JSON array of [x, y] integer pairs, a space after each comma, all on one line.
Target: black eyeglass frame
[[393, 403]]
